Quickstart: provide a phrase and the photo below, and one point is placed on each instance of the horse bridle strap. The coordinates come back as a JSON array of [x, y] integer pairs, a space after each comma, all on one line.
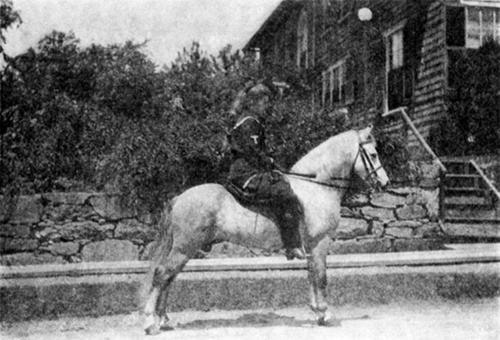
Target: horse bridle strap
[[367, 162], [365, 158]]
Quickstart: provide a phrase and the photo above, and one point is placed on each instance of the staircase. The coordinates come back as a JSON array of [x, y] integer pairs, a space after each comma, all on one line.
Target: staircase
[[469, 203]]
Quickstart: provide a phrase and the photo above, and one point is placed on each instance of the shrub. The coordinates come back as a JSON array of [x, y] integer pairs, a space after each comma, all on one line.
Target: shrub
[[472, 126]]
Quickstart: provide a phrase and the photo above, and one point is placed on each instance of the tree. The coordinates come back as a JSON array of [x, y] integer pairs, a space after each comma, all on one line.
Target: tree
[[8, 18], [104, 117]]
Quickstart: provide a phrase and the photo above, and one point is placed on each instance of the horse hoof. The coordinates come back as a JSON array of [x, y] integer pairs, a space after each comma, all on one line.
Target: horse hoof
[[327, 320], [165, 328], [153, 330]]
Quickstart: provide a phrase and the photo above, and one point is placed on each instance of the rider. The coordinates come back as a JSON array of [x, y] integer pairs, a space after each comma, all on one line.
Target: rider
[[254, 172]]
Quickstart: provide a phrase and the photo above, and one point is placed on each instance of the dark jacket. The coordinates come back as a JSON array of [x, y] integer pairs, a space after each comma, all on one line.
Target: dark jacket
[[248, 148]]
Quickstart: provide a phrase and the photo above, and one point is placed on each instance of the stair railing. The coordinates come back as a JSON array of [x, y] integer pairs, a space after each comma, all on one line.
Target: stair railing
[[490, 185], [442, 168], [422, 141], [485, 179]]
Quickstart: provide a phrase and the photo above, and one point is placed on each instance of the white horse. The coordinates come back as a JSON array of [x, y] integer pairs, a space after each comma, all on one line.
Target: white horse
[[207, 214]]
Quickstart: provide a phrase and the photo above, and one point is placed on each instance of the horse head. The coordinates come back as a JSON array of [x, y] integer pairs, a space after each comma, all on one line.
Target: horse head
[[367, 163]]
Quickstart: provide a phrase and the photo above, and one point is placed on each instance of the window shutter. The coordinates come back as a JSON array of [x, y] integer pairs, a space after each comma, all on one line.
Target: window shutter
[[455, 26]]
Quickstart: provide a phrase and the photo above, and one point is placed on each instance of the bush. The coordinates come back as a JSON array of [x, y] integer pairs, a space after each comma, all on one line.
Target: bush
[[105, 118], [472, 126]]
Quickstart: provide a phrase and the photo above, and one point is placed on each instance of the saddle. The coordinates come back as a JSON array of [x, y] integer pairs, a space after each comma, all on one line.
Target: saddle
[[258, 204], [247, 198]]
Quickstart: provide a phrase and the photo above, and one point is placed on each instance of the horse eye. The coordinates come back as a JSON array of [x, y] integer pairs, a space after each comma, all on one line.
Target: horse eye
[[373, 156]]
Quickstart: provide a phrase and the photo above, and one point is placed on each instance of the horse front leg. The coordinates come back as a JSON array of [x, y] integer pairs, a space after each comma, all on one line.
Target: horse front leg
[[318, 281]]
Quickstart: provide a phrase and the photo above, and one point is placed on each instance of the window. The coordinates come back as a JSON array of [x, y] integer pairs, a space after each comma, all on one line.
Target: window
[[399, 74], [302, 42], [338, 89], [395, 50], [469, 26]]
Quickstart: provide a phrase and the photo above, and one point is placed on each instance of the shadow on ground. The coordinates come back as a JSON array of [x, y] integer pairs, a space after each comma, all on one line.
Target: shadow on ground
[[260, 320]]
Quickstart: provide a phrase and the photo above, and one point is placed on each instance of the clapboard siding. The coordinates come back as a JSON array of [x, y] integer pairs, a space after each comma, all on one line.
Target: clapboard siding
[[332, 39], [429, 105]]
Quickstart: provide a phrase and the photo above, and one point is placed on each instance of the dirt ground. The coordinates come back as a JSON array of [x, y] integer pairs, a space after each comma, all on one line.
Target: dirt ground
[[476, 319]]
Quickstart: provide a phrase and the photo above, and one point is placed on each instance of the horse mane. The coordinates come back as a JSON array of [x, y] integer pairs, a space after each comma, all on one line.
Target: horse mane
[[319, 161]]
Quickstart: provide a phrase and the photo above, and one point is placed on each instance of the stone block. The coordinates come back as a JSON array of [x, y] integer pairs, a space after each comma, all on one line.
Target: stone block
[[133, 229], [410, 212], [84, 230], [429, 170], [377, 228], [64, 248], [427, 198], [350, 228], [399, 232], [358, 200], [71, 198], [377, 213], [402, 190], [17, 245], [428, 183], [25, 259], [429, 230], [348, 212], [110, 250], [28, 209], [15, 231], [404, 224], [61, 212], [363, 246], [386, 200], [111, 207]]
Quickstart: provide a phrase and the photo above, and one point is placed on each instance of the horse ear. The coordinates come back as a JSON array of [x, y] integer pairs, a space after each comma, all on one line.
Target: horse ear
[[365, 133]]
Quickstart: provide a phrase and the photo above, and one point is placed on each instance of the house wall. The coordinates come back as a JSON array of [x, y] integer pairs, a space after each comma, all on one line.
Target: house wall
[[429, 97], [332, 39]]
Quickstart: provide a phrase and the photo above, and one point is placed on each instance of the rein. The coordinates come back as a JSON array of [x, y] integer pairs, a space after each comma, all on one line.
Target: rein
[[365, 158]]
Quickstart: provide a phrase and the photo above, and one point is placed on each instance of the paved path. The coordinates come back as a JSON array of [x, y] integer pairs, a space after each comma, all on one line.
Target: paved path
[[471, 319]]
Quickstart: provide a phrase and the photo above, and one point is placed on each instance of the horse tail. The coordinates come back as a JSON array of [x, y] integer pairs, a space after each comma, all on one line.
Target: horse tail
[[161, 248]]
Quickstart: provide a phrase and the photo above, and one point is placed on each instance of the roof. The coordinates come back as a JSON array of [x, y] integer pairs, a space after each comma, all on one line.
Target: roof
[[281, 13]]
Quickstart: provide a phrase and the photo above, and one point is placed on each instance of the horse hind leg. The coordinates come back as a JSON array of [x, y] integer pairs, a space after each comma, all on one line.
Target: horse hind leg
[[156, 304], [176, 251]]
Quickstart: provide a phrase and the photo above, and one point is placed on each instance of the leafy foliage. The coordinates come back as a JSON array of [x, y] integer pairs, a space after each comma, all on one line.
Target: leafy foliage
[[473, 125], [108, 118], [8, 18]]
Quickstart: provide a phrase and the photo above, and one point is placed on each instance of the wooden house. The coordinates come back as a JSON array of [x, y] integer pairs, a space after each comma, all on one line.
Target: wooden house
[[368, 57]]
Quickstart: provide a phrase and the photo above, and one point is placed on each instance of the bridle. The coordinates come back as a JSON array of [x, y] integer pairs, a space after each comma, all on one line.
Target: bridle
[[367, 163]]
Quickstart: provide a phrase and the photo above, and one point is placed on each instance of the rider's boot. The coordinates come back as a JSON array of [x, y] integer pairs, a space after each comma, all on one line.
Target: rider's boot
[[290, 235], [295, 253]]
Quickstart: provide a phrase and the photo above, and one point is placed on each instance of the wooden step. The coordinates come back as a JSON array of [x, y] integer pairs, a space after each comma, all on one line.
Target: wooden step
[[471, 230], [463, 180], [473, 220], [465, 191], [470, 212], [459, 167], [467, 201]]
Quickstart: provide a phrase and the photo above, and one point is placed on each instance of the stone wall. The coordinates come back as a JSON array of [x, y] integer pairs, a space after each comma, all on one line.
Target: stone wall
[[72, 227], [75, 227]]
